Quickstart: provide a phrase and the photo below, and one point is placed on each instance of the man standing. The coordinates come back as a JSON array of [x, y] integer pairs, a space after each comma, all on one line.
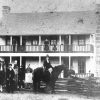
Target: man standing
[[10, 79], [21, 77]]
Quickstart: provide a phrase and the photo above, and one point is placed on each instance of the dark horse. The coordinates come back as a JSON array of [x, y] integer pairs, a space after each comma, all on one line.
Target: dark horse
[[39, 75]]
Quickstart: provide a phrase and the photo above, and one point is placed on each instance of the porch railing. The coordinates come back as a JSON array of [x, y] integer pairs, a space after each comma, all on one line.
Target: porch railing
[[83, 75], [50, 48]]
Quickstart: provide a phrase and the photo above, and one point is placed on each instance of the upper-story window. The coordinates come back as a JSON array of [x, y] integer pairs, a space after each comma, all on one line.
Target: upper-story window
[[53, 42], [35, 42], [81, 40]]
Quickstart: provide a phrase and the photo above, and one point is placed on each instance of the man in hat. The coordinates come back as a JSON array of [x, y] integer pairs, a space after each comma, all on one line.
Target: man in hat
[[10, 79], [47, 65], [47, 69]]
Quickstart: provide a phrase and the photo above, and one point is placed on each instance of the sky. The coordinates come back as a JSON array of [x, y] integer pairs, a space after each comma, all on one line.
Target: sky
[[50, 5]]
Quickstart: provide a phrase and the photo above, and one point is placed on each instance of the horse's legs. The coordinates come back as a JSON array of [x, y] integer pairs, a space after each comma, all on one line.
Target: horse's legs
[[34, 86], [38, 86]]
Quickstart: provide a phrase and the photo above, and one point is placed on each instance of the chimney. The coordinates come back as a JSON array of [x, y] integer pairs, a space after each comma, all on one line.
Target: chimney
[[6, 10]]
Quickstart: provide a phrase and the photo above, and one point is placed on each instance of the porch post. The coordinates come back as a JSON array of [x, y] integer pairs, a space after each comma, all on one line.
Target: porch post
[[62, 73], [69, 47], [60, 42], [10, 40], [10, 59], [39, 61], [20, 40], [69, 62], [20, 60], [39, 40], [69, 39], [59, 60]]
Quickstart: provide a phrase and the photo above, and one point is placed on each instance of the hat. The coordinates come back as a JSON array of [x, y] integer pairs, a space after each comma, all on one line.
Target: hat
[[47, 55]]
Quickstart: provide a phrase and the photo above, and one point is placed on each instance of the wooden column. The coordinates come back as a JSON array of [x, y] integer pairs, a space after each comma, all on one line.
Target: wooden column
[[60, 42], [69, 39], [10, 40], [69, 62], [20, 60], [10, 59], [69, 50], [39, 61], [39, 40], [59, 60], [20, 40], [62, 73]]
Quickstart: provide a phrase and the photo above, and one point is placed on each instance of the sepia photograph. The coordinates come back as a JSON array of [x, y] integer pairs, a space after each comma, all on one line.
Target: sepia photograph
[[49, 50]]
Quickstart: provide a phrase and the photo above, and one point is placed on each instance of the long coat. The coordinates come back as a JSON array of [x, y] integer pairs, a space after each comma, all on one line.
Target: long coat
[[10, 80]]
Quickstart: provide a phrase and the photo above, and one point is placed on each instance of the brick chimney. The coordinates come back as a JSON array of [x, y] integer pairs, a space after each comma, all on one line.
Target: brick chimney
[[6, 10]]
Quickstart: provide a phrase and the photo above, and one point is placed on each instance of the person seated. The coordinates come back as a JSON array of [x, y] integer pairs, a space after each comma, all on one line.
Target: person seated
[[47, 64]]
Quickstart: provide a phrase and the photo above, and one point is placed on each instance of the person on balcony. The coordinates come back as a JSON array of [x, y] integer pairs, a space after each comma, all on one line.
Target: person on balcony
[[14, 45], [46, 45], [55, 48]]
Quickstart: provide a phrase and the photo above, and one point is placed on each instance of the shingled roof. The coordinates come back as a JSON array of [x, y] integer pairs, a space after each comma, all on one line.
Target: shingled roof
[[49, 23]]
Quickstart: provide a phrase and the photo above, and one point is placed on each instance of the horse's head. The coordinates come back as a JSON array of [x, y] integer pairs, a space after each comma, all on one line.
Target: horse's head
[[58, 69], [71, 72]]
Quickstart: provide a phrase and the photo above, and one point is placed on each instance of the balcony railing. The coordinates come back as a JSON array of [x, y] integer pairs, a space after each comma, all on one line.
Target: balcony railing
[[50, 48]]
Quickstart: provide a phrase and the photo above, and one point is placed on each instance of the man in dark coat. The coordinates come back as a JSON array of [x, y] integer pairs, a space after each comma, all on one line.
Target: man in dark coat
[[47, 63], [21, 76], [47, 69], [10, 79]]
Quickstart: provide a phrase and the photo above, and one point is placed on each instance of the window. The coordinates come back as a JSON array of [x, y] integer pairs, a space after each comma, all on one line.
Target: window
[[53, 42], [81, 40], [35, 42], [81, 65]]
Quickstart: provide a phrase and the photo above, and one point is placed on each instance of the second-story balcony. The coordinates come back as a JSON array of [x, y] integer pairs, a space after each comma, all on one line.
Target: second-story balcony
[[50, 48]]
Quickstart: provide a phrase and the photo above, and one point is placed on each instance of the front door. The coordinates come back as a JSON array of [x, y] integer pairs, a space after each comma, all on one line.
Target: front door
[[81, 65]]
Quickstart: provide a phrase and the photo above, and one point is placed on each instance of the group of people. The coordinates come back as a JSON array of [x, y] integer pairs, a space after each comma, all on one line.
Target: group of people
[[15, 76]]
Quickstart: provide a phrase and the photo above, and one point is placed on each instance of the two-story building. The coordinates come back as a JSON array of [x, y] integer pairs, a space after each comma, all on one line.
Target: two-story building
[[71, 37]]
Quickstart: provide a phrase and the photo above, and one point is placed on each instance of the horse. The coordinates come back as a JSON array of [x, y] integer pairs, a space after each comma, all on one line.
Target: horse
[[39, 75]]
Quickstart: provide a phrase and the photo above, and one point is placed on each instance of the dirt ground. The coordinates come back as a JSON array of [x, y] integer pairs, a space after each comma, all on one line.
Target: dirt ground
[[41, 96]]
